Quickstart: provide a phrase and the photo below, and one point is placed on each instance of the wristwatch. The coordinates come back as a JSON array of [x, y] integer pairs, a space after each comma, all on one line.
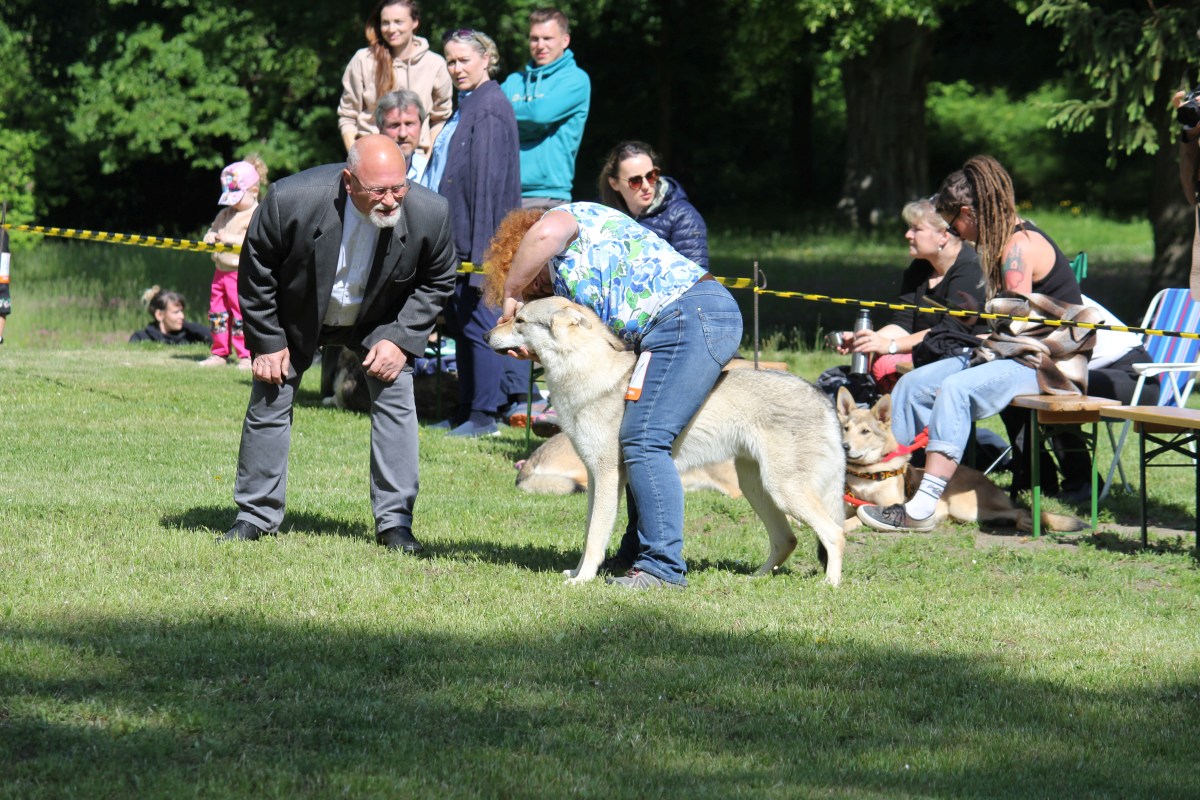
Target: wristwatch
[[892, 347]]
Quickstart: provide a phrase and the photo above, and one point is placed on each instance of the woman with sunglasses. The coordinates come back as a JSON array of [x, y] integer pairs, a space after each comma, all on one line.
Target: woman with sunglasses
[[632, 182], [683, 324], [476, 166], [1024, 271], [394, 58]]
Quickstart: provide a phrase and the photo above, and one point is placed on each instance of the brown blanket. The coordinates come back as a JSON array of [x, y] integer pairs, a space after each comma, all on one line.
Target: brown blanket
[[1059, 354]]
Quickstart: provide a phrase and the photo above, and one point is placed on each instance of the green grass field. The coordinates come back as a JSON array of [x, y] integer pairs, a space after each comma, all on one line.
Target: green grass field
[[138, 657]]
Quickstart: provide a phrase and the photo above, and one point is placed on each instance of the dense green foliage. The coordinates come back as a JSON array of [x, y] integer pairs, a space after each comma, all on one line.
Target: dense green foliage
[[117, 113]]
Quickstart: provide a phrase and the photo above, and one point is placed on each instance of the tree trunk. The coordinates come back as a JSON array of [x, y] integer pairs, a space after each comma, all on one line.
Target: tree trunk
[[802, 132], [1171, 217], [887, 160]]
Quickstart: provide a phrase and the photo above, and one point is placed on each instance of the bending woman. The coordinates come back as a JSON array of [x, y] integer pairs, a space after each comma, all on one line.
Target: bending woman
[[670, 310], [1023, 269]]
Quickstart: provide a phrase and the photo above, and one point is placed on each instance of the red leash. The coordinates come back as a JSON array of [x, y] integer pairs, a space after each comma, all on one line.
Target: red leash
[[904, 449]]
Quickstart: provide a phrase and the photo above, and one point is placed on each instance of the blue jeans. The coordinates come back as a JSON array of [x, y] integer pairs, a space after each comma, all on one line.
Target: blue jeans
[[690, 341], [946, 396]]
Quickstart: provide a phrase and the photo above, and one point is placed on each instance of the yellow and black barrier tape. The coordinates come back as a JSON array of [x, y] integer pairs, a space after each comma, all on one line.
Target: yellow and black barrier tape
[[731, 283], [159, 242], [957, 312]]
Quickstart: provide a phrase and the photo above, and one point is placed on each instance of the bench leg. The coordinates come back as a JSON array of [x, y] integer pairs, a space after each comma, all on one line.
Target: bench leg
[[1093, 442], [1035, 471], [1142, 478]]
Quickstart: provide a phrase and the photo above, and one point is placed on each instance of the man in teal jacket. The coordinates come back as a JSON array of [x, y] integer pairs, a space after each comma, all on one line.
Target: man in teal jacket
[[551, 100]]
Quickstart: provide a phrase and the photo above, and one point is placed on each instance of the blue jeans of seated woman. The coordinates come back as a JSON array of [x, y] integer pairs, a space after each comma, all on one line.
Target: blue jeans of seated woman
[[946, 396], [690, 341]]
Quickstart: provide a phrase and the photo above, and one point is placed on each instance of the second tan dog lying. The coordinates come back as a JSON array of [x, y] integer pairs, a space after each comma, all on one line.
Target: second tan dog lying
[[555, 468], [875, 474]]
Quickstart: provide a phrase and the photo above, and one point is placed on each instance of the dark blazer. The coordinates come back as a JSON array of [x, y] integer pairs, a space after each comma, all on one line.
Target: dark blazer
[[285, 277], [482, 180]]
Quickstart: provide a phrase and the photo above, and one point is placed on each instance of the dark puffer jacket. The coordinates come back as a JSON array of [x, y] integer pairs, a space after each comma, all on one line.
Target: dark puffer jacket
[[678, 222]]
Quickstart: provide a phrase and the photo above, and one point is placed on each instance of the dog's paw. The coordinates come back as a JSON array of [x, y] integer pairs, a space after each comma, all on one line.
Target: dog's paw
[[575, 577]]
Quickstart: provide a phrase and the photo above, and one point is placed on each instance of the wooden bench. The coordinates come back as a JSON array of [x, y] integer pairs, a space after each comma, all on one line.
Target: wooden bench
[[1051, 410], [1183, 428]]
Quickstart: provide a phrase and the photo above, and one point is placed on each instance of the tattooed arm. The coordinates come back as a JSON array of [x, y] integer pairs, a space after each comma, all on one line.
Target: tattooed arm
[[1028, 258]]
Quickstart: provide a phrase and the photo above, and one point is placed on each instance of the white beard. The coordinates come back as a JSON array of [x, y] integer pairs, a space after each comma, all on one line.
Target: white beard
[[381, 220]]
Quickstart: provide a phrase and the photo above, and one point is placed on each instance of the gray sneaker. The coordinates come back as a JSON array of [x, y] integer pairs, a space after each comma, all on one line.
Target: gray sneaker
[[637, 579], [893, 518]]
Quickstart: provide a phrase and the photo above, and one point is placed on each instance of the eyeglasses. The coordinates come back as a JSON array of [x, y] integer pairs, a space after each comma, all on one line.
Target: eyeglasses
[[461, 33], [650, 178], [380, 192]]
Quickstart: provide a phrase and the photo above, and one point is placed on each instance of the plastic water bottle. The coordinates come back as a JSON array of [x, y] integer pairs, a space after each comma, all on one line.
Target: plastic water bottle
[[860, 363]]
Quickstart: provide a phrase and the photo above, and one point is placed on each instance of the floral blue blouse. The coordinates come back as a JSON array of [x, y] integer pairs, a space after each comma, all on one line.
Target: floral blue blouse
[[620, 270]]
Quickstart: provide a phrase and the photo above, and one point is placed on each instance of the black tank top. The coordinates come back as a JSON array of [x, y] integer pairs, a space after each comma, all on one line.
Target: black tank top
[[1059, 282]]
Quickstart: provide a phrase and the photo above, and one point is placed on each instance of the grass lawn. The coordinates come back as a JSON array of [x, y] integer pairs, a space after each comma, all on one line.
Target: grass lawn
[[138, 656]]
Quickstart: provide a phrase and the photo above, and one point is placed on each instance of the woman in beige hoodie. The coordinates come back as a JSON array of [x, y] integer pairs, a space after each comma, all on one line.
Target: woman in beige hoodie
[[394, 59]]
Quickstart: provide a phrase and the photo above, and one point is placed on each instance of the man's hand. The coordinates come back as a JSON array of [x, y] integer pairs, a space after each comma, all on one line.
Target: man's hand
[[272, 367], [385, 361]]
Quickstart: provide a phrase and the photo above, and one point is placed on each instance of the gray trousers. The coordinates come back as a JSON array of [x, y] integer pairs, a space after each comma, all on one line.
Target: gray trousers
[[261, 485]]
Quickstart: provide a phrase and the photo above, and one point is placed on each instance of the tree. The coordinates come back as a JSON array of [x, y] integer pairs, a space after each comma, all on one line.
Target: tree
[[1128, 61], [882, 50]]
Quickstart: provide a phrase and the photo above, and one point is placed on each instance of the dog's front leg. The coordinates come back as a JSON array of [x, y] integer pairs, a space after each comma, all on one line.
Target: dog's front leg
[[604, 493]]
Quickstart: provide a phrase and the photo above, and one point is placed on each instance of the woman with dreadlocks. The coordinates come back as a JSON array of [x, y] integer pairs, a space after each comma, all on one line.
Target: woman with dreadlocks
[[1026, 274]]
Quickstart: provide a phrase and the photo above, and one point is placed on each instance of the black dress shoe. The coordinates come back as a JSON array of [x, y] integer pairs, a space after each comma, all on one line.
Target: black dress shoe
[[241, 531], [399, 538]]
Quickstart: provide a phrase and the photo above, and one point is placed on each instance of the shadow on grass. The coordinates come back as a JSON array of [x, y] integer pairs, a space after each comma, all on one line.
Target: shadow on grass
[[218, 519], [534, 558], [1118, 543], [625, 702]]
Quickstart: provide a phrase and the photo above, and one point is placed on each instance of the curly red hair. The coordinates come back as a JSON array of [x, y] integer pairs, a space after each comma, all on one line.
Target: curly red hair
[[499, 256]]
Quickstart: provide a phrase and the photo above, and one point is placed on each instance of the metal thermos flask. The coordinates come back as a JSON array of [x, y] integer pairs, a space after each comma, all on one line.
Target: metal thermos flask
[[860, 363]]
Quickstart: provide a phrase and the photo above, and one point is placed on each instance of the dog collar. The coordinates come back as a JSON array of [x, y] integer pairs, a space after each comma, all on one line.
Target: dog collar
[[880, 476]]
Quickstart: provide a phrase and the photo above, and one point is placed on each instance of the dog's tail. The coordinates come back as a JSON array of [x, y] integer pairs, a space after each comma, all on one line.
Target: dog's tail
[[1064, 523], [1060, 523]]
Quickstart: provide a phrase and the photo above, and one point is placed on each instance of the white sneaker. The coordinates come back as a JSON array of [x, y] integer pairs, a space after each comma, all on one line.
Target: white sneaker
[[213, 361]]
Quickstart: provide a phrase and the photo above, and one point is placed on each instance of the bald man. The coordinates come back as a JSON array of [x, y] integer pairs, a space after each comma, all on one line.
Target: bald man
[[349, 255]]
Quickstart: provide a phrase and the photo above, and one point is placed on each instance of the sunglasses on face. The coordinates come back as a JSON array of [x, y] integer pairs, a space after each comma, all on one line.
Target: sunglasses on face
[[651, 178], [958, 214]]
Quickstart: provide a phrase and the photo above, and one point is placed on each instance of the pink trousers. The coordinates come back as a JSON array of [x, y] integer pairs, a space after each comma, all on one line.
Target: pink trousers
[[225, 315]]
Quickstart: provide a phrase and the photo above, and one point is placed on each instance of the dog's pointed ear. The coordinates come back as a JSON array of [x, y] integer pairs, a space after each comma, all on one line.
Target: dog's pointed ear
[[572, 317], [845, 402], [883, 409]]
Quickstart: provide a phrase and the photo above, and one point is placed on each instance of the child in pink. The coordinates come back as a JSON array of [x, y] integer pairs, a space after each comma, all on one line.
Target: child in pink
[[240, 185]]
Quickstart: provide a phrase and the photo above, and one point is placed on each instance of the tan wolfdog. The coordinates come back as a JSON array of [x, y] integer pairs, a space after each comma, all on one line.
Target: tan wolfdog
[[878, 472]]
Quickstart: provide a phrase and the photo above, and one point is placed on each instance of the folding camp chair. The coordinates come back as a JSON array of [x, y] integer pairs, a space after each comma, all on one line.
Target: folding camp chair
[[1175, 360]]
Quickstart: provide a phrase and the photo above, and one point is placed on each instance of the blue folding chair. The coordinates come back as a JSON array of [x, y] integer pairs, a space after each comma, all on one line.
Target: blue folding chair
[[1176, 361]]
